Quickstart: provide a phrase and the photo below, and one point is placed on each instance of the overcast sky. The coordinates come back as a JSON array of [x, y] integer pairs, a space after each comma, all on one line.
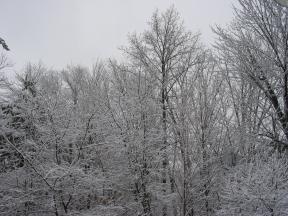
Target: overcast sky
[[60, 32]]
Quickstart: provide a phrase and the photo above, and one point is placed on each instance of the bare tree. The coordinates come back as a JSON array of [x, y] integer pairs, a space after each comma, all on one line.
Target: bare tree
[[166, 51], [256, 45]]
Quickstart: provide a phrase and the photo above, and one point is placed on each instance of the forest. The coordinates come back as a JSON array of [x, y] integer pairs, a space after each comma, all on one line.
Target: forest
[[176, 128]]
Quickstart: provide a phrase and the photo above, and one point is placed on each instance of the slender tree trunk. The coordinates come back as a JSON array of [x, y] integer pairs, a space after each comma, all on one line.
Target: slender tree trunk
[[146, 199], [204, 174], [164, 128], [55, 206]]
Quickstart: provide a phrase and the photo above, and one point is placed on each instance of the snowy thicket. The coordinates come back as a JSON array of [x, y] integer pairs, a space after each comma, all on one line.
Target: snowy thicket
[[257, 187], [175, 129]]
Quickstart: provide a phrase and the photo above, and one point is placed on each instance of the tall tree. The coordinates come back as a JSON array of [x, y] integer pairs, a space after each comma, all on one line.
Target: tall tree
[[166, 51], [256, 45]]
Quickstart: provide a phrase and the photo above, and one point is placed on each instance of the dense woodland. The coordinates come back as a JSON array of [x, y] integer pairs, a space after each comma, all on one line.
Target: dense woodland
[[176, 129]]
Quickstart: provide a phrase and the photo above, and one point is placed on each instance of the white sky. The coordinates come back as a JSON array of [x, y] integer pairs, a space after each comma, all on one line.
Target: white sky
[[60, 32]]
